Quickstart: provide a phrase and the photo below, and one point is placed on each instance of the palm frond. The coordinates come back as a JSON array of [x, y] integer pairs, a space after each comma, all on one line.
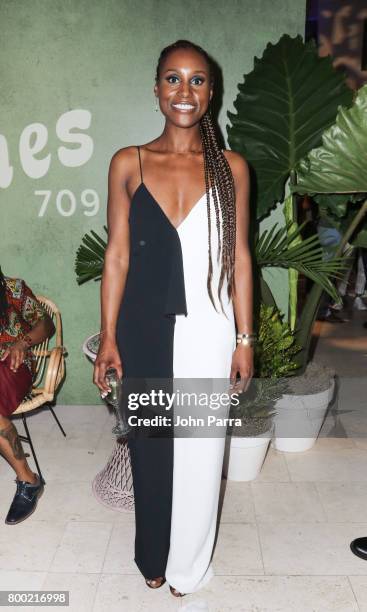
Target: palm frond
[[90, 257], [273, 249]]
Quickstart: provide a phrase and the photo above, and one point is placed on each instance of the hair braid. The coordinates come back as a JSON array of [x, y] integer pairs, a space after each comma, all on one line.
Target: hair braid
[[218, 179]]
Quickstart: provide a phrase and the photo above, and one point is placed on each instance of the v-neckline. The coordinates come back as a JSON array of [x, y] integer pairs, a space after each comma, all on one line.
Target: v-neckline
[[165, 215]]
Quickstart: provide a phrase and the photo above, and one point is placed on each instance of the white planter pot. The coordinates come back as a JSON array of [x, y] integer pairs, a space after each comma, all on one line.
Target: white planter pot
[[299, 419], [245, 456]]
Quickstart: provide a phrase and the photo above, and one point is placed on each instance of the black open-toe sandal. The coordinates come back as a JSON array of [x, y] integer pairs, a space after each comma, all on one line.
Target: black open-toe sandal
[[175, 592], [149, 582]]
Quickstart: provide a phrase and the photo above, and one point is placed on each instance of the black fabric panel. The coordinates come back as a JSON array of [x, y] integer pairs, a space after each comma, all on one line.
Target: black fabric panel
[[154, 294]]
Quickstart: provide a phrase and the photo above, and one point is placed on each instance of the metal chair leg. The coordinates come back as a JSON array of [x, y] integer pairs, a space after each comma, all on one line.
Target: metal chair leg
[[27, 438], [57, 420]]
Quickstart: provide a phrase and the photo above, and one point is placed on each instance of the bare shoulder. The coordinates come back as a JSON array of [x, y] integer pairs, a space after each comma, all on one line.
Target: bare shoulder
[[124, 163], [238, 164], [124, 156]]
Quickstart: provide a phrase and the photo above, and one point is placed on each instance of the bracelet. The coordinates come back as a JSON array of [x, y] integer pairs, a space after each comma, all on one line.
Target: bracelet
[[246, 339]]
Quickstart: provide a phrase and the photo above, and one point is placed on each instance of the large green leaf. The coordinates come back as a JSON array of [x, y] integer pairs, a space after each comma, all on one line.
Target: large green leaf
[[340, 164], [283, 106], [90, 257]]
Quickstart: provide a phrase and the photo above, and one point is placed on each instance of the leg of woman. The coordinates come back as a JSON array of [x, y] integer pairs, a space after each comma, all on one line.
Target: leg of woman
[[198, 461], [151, 450], [13, 387], [11, 448], [152, 468]]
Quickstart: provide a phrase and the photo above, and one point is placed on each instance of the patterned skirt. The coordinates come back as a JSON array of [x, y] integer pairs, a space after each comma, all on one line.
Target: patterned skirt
[[14, 386]]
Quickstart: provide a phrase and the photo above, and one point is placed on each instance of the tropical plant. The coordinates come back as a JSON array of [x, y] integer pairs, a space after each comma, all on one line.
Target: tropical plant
[[338, 168], [284, 105], [90, 257], [283, 247], [274, 360]]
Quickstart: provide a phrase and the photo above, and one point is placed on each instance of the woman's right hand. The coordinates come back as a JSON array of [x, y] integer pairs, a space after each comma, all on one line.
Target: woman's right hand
[[108, 356]]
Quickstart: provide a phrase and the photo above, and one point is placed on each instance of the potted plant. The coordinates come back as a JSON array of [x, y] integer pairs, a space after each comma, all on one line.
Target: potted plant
[[274, 355], [283, 108], [335, 174]]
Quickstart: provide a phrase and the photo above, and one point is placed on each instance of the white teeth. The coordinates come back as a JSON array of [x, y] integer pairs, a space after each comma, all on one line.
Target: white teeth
[[183, 106]]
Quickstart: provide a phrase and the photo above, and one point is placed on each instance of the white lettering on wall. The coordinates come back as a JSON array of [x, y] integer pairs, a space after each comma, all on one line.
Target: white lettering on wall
[[66, 202], [6, 170], [77, 118], [33, 141], [33, 167]]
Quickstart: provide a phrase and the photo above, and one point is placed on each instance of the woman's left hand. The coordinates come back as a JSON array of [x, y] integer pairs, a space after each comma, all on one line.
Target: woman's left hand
[[16, 353], [242, 362]]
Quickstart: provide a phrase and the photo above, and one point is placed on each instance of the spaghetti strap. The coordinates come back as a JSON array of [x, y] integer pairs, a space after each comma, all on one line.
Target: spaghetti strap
[[141, 171]]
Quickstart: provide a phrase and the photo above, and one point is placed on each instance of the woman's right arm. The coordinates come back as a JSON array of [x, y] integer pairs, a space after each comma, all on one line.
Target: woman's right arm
[[115, 268]]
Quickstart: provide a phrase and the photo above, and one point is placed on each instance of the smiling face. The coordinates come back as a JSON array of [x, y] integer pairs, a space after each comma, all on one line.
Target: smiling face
[[184, 88]]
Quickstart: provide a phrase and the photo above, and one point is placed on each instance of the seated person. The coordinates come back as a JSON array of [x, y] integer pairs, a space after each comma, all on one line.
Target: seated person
[[23, 324]]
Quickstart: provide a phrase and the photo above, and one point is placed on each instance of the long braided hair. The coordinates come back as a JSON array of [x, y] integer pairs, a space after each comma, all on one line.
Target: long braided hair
[[3, 301], [218, 177]]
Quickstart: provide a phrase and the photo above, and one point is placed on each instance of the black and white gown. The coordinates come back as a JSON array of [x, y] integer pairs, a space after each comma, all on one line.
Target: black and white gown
[[168, 329]]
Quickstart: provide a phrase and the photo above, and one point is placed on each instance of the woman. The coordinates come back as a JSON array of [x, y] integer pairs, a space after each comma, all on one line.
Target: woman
[[23, 324], [169, 308]]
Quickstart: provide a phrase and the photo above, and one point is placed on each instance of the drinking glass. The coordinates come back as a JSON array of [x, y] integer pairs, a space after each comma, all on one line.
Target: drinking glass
[[114, 398]]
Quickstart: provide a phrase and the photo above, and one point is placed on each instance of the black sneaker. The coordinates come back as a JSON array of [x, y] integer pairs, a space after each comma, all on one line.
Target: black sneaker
[[25, 501]]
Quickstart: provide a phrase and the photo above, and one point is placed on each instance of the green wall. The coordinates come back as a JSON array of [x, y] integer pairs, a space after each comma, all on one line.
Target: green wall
[[96, 60]]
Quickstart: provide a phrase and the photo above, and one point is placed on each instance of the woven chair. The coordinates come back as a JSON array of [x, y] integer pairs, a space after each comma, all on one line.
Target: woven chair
[[50, 371]]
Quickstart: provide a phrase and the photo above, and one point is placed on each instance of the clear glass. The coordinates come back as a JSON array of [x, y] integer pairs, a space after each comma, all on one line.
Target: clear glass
[[114, 398]]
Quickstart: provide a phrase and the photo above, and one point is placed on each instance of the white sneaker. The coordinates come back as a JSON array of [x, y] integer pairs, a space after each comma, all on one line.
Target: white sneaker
[[359, 303]]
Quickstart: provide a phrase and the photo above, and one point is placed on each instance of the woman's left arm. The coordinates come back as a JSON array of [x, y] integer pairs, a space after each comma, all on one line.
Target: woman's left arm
[[242, 359], [42, 327]]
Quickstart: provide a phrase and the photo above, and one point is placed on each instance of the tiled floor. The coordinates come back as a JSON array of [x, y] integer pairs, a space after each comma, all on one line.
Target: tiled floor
[[283, 540]]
